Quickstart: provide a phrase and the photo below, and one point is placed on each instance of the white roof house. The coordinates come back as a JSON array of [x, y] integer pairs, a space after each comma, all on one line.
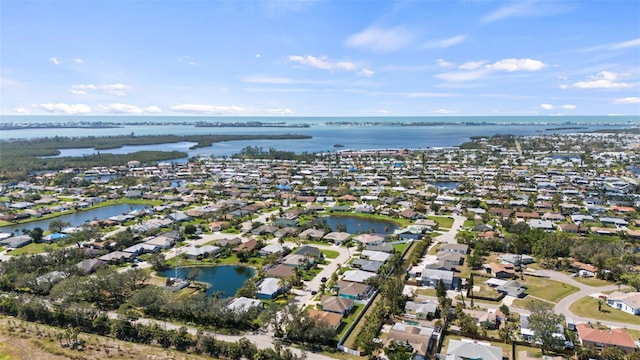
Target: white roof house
[[358, 276]]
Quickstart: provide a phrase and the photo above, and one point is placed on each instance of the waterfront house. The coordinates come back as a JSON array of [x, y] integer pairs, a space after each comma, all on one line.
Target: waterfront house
[[280, 271], [337, 237], [15, 242], [242, 304], [269, 288]]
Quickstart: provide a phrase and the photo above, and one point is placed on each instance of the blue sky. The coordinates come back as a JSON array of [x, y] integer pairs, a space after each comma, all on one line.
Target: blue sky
[[320, 58]]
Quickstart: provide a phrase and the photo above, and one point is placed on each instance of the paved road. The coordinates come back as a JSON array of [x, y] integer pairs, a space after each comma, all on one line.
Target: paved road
[[562, 307], [450, 236]]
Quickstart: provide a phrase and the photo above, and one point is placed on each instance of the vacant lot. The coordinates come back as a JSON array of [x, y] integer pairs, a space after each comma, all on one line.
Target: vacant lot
[[30, 341], [547, 289]]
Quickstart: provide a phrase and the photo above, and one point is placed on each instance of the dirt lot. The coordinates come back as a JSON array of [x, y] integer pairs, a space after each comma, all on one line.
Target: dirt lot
[[29, 341]]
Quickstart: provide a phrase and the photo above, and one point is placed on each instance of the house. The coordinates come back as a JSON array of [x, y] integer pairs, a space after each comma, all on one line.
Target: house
[[194, 252], [143, 248], [273, 248], [425, 310], [332, 319], [584, 270], [500, 271], [375, 255], [366, 239], [310, 251], [88, 266], [248, 245], [472, 349], [298, 261], [336, 304], [280, 271], [337, 237], [627, 302], [546, 225], [269, 288], [163, 242], [116, 257], [358, 276], [461, 249], [422, 339], [511, 288], [244, 304], [600, 339], [15, 242], [367, 265], [229, 243], [353, 290], [431, 277], [312, 234]]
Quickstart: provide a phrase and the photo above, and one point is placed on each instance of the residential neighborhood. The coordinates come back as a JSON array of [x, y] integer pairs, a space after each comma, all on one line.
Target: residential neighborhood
[[502, 247]]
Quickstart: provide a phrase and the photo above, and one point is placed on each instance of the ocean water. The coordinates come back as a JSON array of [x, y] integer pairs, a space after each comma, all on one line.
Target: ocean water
[[352, 132]]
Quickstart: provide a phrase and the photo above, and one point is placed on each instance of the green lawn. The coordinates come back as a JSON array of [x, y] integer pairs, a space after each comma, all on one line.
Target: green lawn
[[546, 289], [400, 248], [588, 307], [592, 281], [346, 322], [443, 221], [34, 248], [330, 254], [468, 223], [426, 292]]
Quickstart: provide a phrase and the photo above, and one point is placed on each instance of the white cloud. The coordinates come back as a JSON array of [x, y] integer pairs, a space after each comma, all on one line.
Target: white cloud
[[511, 65], [278, 111], [444, 112], [568, 107], [323, 63], [444, 63], [474, 70], [564, 86], [54, 60], [117, 108], [626, 44], [444, 43], [209, 109], [383, 111], [152, 109], [471, 65], [69, 109], [505, 12], [547, 106], [526, 9], [258, 56], [366, 72], [628, 100], [20, 110], [380, 39], [111, 89], [78, 61], [459, 76], [602, 80], [268, 80]]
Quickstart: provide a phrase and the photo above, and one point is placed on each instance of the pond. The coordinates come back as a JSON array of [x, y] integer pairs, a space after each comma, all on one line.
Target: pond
[[356, 225], [224, 278], [77, 218]]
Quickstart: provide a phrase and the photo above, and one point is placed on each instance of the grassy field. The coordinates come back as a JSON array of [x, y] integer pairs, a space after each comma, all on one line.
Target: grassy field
[[546, 289], [400, 248], [592, 281], [426, 292], [588, 307], [442, 221], [34, 248]]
